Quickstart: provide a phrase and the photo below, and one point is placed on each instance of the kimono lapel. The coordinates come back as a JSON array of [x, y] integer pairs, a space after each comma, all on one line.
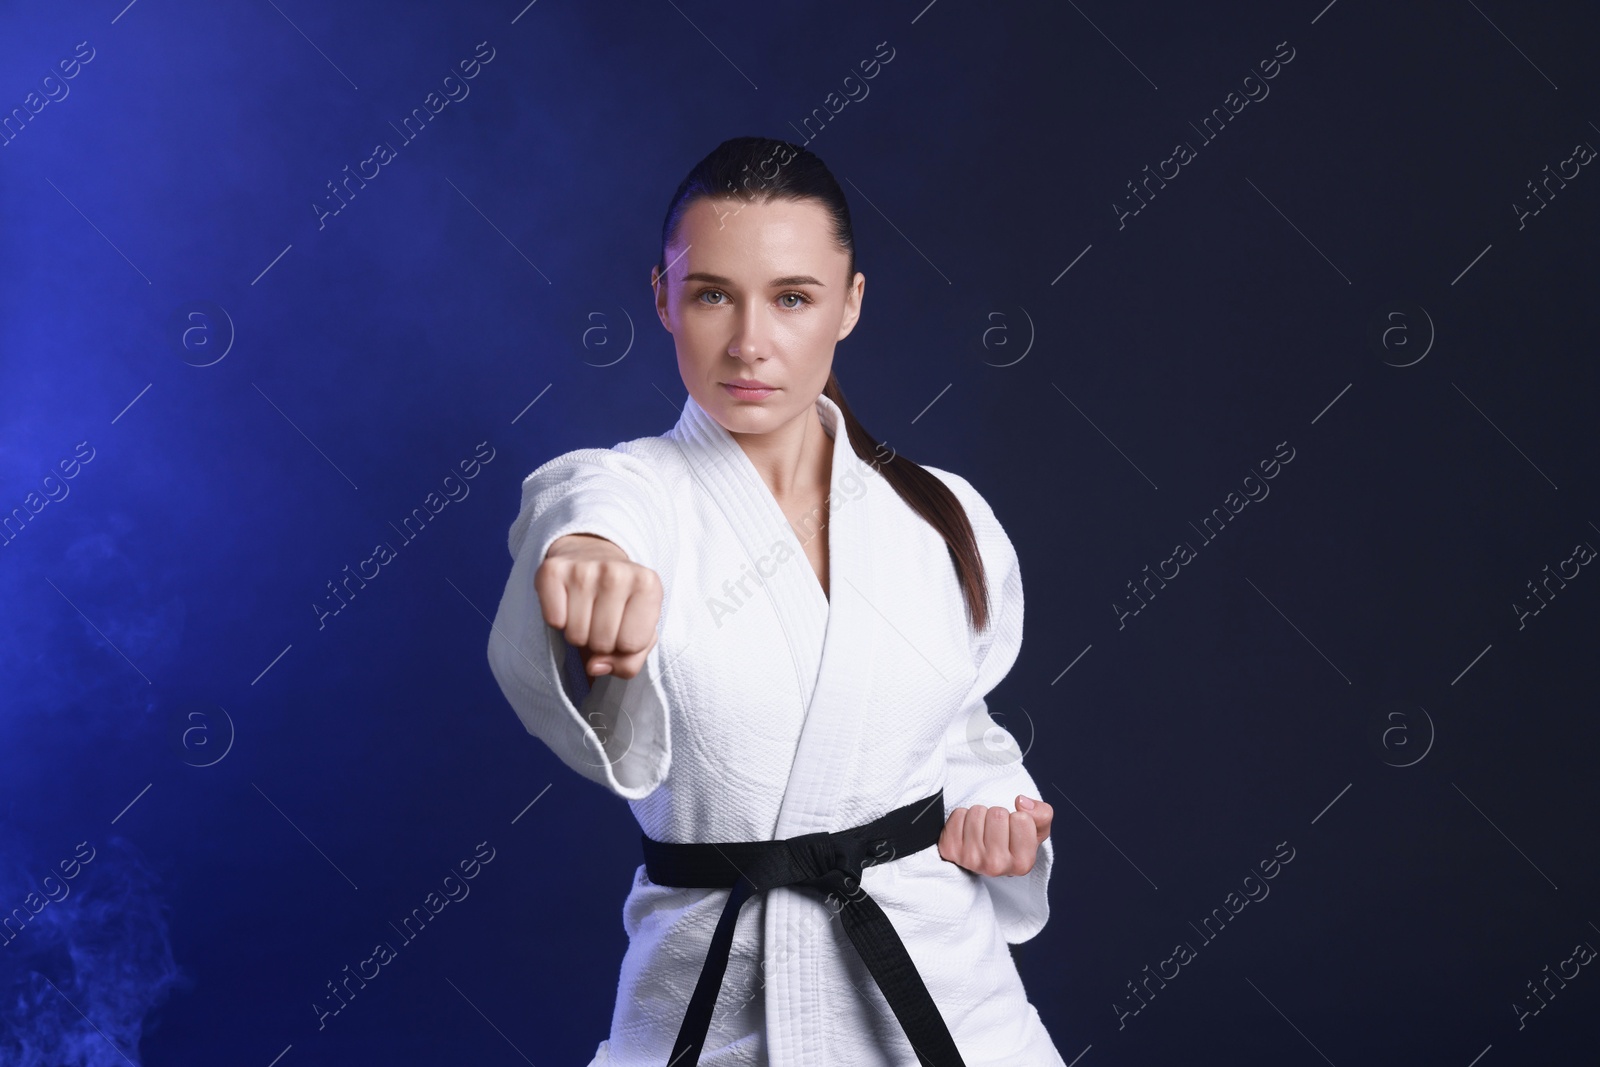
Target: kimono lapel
[[831, 641], [831, 739], [830, 636]]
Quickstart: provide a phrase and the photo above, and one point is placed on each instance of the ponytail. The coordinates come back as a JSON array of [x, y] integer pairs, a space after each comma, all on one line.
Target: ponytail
[[929, 497]]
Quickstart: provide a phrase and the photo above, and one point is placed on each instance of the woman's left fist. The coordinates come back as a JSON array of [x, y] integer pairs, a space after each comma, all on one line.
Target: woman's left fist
[[994, 841]]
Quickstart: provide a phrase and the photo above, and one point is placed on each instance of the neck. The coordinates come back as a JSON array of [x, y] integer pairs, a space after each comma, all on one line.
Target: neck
[[796, 459]]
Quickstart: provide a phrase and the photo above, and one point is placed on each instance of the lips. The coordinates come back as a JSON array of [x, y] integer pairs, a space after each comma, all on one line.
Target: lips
[[746, 391]]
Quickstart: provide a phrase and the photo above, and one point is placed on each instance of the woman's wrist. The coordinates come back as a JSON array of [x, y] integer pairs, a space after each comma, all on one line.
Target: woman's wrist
[[583, 544]]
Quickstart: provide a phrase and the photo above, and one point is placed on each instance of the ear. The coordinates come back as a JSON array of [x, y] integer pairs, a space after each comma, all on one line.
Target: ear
[[658, 283], [852, 305]]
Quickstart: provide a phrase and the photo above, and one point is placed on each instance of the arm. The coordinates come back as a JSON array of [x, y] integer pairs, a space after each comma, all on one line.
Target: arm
[[613, 731], [984, 760]]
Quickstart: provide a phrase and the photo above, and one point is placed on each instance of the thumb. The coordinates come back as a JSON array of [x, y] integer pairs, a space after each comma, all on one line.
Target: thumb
[[1029, 806]]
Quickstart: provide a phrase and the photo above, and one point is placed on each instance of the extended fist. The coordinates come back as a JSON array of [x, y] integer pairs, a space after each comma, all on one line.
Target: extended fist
[[994, 841], [605, 605]]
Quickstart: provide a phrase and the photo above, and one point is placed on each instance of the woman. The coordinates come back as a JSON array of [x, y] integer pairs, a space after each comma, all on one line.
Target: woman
[[775, 642]]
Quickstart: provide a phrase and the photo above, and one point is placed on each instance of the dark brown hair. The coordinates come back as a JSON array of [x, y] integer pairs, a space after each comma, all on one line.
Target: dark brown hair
[[739, 168]]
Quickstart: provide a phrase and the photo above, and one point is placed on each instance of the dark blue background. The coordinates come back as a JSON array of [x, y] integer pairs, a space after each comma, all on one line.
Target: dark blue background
[[162, 608]]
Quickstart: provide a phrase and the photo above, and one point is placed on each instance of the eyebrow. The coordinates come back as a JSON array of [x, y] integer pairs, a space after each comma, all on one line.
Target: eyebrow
[[717, 279]]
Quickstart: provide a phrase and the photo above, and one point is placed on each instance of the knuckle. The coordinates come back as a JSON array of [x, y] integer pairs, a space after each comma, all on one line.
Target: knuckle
[[612, 574]]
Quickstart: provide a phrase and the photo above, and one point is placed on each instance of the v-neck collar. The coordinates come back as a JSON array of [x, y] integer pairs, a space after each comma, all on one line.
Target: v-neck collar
[[742, 486], [832, 639]]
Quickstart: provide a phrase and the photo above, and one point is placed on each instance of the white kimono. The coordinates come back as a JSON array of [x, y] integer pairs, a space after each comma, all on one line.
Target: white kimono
[[766, 711]]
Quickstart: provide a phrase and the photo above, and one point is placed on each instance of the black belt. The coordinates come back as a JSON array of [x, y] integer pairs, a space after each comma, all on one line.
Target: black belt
[[831, 863]]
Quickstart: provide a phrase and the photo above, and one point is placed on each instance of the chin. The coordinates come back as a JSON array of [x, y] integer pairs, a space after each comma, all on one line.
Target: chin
[[738, 420], [746, 418]]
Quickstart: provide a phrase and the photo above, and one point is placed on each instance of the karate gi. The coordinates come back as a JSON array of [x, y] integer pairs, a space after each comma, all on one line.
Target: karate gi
[[768, 709]]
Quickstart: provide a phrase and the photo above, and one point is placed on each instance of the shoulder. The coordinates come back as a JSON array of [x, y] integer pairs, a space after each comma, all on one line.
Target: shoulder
[[628, 491], [1002, 568], [646, 466], [959, 485], [986, 527]]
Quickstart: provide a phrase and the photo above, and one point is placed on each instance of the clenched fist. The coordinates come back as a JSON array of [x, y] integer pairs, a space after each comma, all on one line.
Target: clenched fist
[[606, 605], [994, 841]]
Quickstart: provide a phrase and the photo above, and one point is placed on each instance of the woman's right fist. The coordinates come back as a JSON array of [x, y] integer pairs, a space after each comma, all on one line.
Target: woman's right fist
[[606, 605]]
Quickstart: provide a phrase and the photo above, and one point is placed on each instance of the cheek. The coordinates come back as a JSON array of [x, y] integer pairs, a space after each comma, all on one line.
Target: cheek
[[697, 333], [817, 352], [810, 332], [701, 346]]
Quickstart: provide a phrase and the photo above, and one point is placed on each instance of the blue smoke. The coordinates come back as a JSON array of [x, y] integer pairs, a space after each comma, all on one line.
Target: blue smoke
[[80, 978]]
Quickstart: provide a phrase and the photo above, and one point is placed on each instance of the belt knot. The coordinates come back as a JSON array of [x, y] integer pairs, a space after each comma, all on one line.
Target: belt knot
[[832, 862]]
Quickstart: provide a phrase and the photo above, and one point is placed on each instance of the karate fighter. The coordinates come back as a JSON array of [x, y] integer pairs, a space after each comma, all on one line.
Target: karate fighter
[[773, 636]]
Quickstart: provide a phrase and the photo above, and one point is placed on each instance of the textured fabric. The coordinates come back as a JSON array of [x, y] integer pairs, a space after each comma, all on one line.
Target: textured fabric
[[769, 710], [831, 864]]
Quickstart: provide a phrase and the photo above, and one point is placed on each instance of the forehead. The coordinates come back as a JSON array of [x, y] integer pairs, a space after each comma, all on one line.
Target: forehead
[[764, 237]]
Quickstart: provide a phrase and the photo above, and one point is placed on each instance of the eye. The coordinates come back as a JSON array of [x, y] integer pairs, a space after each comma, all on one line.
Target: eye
[[700, 296], [803, 298]]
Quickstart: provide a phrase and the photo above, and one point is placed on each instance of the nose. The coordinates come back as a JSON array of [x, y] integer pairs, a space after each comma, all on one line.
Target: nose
[[751, 335]]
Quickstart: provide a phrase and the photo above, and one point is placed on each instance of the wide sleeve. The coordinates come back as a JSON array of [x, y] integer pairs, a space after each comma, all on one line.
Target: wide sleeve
[[983, 757], [615, 731]]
